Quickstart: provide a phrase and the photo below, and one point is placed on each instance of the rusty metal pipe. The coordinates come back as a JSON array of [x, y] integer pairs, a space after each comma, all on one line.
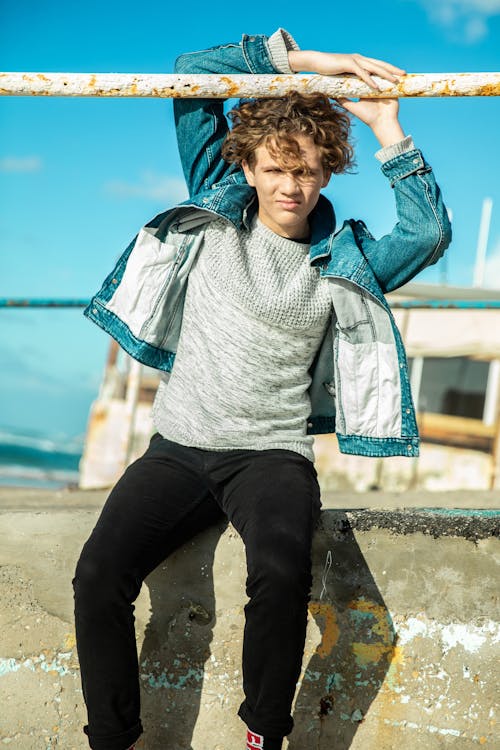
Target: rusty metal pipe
[[224, 86]]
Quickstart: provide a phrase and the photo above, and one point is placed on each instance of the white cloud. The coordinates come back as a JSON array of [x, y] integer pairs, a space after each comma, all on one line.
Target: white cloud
[[20, 164], [466, 18], [156, 187], [492, 267], [475, 29]]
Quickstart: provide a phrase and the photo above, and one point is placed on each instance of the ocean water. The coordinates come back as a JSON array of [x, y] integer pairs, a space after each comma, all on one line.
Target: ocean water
[[30, 459]]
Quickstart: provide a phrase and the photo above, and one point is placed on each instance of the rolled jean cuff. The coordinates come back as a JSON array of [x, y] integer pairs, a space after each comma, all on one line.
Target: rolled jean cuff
[[122, 741], [270, 727]]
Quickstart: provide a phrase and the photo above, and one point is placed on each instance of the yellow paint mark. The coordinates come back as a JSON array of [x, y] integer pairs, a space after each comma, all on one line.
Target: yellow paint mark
[[393, 676], [331, 632], [369, 653], [483, 740], [415, 674], [69, 641], [379, 614], [366, 653]]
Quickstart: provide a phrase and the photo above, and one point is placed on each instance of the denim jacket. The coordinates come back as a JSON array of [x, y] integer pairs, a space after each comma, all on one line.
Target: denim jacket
[[360, 387]]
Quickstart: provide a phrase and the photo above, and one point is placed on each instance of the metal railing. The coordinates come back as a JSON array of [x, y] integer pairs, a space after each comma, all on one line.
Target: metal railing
[[424, 304], [229, 86]]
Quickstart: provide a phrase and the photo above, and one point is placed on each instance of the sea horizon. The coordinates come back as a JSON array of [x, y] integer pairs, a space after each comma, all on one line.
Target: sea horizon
[[30, 458]]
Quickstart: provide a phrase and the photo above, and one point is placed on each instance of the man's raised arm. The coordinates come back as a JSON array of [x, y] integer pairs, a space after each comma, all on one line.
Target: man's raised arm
[[200, 123]]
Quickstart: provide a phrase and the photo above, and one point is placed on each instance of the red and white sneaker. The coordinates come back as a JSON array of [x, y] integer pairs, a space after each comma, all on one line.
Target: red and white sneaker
[[254, 741]]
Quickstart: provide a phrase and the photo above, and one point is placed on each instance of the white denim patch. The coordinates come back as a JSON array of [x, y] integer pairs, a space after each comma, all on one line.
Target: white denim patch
[[371, 393]]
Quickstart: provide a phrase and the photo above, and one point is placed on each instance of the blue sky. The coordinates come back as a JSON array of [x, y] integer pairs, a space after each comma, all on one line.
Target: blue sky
[[78, 177]]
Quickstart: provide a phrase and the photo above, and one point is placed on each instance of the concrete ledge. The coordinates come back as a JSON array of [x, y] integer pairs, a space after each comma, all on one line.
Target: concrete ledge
[[401, 638]]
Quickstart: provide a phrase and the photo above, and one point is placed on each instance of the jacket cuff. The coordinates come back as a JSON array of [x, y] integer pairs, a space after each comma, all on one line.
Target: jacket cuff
[[404, 164], [280, 43], [395, 149]]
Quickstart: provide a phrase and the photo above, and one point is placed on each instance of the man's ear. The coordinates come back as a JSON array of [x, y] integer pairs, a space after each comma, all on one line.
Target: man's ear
[[248, 171], [326, 179]]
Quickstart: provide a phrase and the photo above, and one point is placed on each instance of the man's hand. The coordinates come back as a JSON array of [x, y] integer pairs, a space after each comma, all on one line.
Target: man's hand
[[381, 115], [335, 64]]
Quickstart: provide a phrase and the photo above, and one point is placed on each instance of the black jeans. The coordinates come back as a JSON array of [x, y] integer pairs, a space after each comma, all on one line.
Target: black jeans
[[172, 492]]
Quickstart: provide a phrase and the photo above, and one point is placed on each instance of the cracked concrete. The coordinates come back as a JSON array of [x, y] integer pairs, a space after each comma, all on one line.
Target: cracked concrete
[[401, 638]]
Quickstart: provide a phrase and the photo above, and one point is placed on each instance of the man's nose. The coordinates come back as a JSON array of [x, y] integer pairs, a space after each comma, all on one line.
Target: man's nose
[[289, 184]]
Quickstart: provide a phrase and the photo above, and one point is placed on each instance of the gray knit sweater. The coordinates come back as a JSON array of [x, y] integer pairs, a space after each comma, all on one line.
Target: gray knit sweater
[[254, 317]]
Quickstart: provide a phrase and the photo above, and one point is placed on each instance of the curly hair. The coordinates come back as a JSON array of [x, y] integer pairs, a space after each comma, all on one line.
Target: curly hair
[[274, 122]]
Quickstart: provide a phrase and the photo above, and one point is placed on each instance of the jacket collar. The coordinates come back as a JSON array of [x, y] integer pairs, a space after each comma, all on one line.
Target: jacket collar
[[234, 200]]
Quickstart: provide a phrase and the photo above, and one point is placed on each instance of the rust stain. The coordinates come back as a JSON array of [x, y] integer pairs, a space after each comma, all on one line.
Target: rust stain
[[168, 92], [233, 90], [42, 77], [92, 81], [489, 89], [330, 635]]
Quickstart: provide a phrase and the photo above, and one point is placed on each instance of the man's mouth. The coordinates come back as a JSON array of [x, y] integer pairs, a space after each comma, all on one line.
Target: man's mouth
[[288, 204]]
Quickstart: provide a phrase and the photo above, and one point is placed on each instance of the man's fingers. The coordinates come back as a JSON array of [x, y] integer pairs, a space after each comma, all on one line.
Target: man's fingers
[[382, 66], [365, 76]]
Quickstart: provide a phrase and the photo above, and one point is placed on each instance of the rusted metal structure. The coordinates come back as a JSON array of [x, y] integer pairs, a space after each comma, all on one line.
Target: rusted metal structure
[[225, 86]]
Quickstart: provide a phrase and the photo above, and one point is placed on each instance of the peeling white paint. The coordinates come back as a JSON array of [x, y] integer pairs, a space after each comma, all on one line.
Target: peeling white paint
[[470, 637], [422, 727], [412, 628]]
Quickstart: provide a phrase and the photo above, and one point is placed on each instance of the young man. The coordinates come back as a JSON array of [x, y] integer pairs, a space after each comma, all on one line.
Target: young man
[[279, 329]]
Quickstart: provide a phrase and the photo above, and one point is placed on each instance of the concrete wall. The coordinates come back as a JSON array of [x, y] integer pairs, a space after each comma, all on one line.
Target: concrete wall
[[401, 636]]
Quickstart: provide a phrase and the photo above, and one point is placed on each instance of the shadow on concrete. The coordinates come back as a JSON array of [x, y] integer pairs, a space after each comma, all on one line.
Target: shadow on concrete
[[341, 678], [357, 645], [177, 642]]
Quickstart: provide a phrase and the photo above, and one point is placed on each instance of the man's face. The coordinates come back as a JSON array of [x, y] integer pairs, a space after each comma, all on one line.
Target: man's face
[[287, 198]]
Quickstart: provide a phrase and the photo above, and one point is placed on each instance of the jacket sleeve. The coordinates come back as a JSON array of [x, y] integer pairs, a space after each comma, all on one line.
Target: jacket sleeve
[[200, 123], [422, 232]]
